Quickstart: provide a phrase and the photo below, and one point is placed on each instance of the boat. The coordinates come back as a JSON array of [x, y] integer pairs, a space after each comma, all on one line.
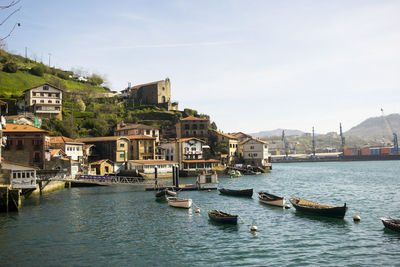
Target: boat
[[164, 193], [312, 208], [207, 180], [235, 174], [392, 224], [176, 202], [234, 192], [271, 199], [222, 217]]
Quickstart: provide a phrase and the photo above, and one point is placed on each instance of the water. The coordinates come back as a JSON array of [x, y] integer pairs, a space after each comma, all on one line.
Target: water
[[124, 226]]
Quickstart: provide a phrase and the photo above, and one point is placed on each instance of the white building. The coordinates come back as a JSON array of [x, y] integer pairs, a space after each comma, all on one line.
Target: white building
[[44, 100], [70, 147], [255, 152]]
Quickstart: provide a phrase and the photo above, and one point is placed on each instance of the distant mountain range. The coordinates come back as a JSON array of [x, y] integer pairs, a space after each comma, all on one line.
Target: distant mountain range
[[277, 132], [376, 127], [369, 128]]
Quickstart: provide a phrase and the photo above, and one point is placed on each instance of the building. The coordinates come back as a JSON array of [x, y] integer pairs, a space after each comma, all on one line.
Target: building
[[231, 144], [70, 147], [240, 136], [3, 111], [255, 153], [137, 129], [192, 127], [26, 145], [101, 167], [44, 100], [154, 93], [146, 168]]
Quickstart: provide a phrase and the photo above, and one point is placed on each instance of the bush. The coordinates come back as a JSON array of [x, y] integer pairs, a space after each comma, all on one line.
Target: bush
[[10, 67], [37, 70]]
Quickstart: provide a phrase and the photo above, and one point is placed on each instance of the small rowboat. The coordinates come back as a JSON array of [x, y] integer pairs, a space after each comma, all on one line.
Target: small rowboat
[[271, 199], [312, 208], [222, 217], [179, 202], [165, 193], [233, 192], [392, 224]]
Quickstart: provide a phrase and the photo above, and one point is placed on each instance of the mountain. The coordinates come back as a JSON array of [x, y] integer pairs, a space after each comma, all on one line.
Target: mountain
[[376, 127], [277, 132]]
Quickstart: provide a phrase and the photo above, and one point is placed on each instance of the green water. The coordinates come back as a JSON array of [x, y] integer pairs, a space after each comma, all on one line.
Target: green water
[[125, 226]]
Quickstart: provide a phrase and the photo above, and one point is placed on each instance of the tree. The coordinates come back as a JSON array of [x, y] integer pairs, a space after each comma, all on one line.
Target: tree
[[10, 67], [95, 79], [80, 104], [37, 70], [7, 6]]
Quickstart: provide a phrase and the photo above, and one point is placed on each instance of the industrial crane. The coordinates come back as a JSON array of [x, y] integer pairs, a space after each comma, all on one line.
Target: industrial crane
[[342, 138], [313, 143], [395, 142], [287, 149]]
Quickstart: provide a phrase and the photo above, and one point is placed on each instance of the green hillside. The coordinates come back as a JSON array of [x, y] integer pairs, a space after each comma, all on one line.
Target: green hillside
[[19, 73]]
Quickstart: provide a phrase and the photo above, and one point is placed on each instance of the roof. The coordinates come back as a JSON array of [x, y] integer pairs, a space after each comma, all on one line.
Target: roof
[[226, 135], [114, 138], [153, 161], [136, 126], [3, 103], [99, 162], [189, 138], [62, 140], [142, 85], [19, 164], [240, 135], [17, 128], [192, 118], [42, 85], [55, 151], [72, 161], [255, 139], [200, 161]]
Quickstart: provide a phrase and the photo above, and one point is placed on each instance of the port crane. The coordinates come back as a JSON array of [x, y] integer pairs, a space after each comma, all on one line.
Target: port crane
[[342, 138], [286, 144], [313, 142], [395, 142]]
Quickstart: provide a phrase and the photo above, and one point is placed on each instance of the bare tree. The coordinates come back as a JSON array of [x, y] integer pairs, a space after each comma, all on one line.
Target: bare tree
[[11, 4]]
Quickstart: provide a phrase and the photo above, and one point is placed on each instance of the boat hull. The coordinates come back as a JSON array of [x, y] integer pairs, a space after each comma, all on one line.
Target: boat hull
[[320, 210], [165, 193], [392, 224], [221, 217], [179, 202], [231, 192], [272, 200]]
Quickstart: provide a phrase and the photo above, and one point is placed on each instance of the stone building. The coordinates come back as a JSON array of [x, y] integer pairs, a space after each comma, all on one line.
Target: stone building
[[44, 100], [192, 127], [26, 145]]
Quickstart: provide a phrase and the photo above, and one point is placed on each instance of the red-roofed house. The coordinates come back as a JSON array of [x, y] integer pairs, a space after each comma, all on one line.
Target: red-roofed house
[[71, 147]]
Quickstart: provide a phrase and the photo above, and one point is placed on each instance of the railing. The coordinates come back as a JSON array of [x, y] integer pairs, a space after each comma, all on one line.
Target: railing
[[111, 179]]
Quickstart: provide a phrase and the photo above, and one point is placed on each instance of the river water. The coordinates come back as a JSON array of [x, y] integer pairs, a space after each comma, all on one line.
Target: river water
[[125, 226]]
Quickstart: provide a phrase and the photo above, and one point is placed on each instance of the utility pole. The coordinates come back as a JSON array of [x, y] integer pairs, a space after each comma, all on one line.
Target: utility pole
[[49, 59]]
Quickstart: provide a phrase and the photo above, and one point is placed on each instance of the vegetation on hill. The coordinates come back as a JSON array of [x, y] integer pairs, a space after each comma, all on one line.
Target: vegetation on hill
[[376, 127]]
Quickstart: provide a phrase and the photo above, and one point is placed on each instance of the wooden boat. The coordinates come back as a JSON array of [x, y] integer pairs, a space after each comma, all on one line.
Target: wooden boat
[[176, 202], [271, 199], [235, 174], [312, 208], [222, 217], [165, 193], [234, 192], [392, 224]]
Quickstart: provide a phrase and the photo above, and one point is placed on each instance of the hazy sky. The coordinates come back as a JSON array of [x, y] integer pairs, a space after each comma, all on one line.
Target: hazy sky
[[250, 65]]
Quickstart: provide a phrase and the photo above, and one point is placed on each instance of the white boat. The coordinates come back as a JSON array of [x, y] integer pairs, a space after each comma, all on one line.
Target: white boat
[[270, 199], [207, 180], [179, 202]]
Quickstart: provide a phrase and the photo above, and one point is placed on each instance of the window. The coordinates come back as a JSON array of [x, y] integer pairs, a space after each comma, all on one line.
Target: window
[[122, 155], [58, 101], [201, 126], [147, 132], [57, 108], [193, 149], [45, 87], [57, 95], [251, 147], [34, 101], [49, 101], [194, 133], [187, 127], [41, 101], [106, 168], [41, 94], [122, 145], [194, 126], [172, 158]]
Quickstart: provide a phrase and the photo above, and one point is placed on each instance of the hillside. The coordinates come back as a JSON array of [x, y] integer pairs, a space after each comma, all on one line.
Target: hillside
[[277, 132], [19, 73], [376, 127]]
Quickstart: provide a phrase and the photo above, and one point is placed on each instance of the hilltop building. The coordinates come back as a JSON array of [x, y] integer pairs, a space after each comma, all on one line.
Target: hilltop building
[[192, 127], [44, 100], [153, 93]]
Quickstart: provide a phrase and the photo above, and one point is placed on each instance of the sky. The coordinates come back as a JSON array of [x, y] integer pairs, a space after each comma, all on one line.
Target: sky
[[250, 65]]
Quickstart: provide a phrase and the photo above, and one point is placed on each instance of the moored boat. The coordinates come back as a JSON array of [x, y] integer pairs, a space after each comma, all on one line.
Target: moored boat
[[237, 192], [235, 174], [176, 202], [271, 199], [392, 224], [165, 192], [312, 208], [222, 217]]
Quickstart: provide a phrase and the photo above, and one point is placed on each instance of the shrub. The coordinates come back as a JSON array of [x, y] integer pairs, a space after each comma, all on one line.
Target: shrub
[[10, 67], [37, 70]]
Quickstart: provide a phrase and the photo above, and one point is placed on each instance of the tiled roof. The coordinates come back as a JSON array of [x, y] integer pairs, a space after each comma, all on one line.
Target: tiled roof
[[240, 135], [192, 118], [15, 128], [113, 138], [55, 151], [145, 84], [136, 126], [62, 139], [189, 138], [42, 85], [226, 135], [258, 140], [100, 162], [200, 161], [153, 161]]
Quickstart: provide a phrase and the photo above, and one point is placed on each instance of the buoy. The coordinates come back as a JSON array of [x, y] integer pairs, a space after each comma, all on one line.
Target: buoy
[[197, 210], [356, 218], [287, 206], [209, 190], [253, 228]]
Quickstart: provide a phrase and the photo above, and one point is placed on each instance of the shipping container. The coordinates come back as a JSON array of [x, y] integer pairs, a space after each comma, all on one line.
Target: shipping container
[[394, 152], [365, 152], [385, 150], [374, 151], [348, 152]]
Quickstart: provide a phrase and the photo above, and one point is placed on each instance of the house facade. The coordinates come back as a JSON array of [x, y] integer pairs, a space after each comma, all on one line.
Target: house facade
[[231, 144], [26, 145], [70, 147], [255, 153], [137, 129], [44, 100], [192, 127]]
